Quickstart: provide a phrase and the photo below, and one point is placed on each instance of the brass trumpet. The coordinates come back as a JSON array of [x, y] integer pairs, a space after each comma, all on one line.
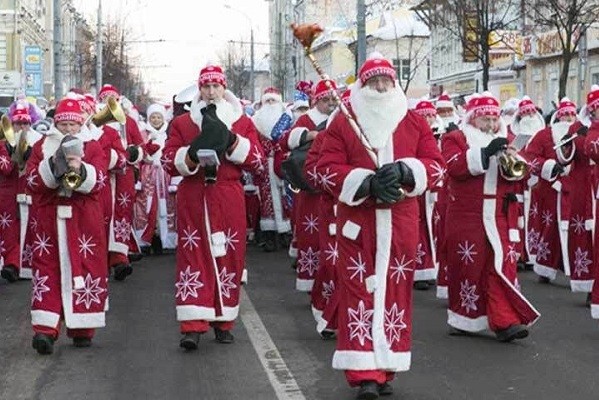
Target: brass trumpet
[[71, 180], [113, 112], [511, 166], [6, 130]]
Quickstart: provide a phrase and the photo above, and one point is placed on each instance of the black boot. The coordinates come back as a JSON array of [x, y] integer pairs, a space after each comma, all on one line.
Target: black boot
[[270, 243], [44, 344], [544, 279], [10, 273], [385, 389], [224, 337], [156, 245], [511, 332], [328, 334], [369, 390], [134, 257], [190, 341], [121, 271], [82, 342], [588, 300], [421, 285]]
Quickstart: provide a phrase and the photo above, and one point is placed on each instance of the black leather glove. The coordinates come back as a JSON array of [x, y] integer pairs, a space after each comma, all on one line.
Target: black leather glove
[[132, 153], [451, 127], [557, 170], [384, 188], [582, 131], [215, 134], [399, 170], [58, 164], [10, 149], [195, 145], [496, 145], [27, 153]]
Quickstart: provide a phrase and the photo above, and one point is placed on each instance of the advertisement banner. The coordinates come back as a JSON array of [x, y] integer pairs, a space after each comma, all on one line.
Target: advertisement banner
[[33, 59]]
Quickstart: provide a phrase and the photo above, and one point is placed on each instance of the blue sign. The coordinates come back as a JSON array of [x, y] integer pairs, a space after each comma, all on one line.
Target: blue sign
[[34, 85], [33, 59]]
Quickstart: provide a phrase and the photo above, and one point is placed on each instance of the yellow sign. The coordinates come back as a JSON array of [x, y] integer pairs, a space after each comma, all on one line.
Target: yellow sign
[[507, 91]]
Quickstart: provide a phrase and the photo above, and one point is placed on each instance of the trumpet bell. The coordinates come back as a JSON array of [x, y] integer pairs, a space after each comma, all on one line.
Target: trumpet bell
[[512, 167], [113, 112], [71, 180], [6, 130]]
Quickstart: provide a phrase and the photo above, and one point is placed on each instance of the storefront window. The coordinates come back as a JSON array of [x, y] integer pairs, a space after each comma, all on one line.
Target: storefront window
[[6, 5]]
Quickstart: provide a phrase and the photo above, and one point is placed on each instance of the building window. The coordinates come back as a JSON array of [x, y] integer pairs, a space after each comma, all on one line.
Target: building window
[[595, 78], [402, 66]]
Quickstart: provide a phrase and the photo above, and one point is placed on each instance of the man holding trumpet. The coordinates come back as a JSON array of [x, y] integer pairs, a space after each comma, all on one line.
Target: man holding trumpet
[[482, 226], [70, 250]]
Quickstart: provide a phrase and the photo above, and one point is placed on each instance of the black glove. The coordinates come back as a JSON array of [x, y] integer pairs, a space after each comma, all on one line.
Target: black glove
[[451, 127], [195, 145], [132, 153], [10, 149], [496, 145], [58, 164], [557, 170], [385, 188], [27, 153], [215, 134], [399, 170], [582, 131]]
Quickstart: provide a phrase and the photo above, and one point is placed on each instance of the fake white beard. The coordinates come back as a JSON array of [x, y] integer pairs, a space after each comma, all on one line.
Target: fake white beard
[[379, 113], [266, 118], [448, 120], [530, 124], [508, 119]]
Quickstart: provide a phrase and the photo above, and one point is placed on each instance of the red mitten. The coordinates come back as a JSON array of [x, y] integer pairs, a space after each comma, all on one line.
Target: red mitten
[[151, 148]]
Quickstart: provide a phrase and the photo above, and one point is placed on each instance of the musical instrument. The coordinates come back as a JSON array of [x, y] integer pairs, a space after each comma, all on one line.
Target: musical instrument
[[565, 141], [71, 180], [510, 166], [306, 34], [18, 155], [113, 112], [6, 131]]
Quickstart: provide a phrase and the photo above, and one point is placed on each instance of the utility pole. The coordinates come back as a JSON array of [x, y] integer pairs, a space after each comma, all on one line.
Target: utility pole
[[99, 49], [361, 26], [252, 83], [583, 55], [56, 48]]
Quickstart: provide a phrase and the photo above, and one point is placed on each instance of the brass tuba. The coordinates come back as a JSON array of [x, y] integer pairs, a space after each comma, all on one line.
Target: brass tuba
[[511, 166], [6, 131], [111, 113]]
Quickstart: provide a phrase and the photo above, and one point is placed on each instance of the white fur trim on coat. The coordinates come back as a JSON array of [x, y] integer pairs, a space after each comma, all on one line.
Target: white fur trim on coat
[[114, 157], [191, 312], [467, 324], [474, 160], [420, 177], [44, 318], [366, 360], [180, 162], [140, 156], [547, 170], [295, 135], [90, 180], [351, 184], [316, 116], [240, 152], [47, 175]]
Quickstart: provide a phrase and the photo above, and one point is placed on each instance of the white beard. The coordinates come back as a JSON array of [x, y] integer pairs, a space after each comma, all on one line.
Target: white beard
[[266, 118], [559, 130], [477, 138], [378, 114], [508, 119], [228, 109], [530, 124], [449, 120]]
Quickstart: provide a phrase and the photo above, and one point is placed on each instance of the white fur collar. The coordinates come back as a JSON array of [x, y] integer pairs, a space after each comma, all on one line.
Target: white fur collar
[[154, 133], [378, 121], [229, 109], [316, 116], [559, 130], [477, 139], [54, 137]]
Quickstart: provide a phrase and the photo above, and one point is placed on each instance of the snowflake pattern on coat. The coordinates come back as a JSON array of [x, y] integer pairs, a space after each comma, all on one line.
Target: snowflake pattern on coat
[[39, 287], [360, 323], [188, 284], [581, 262], [468, 296], [394, 324], [90, 292]]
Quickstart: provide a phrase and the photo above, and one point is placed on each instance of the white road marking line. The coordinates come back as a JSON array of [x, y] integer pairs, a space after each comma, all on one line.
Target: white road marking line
[[280, 377]]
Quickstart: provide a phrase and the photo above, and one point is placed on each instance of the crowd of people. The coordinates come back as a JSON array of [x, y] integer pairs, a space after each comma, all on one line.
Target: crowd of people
[[371, 194]]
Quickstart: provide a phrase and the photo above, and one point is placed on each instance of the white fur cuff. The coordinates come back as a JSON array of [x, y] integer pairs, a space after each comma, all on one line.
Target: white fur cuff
[[180, 162], [562, 158], [241, 150], [114, 157], [47, 175], [294, 137], [420, 177], [351, 184], [90, 179], [140, 156], [474, 160], [547, 170]]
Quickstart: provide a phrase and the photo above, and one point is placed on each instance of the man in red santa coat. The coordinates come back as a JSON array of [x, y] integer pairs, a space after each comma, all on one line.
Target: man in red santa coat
[[122, 238], [377, 232], [425, 263], [211, 220], [70, 250], [272, 218], [305, 204], [560, 233], [482, 228], [14, 201], [446, 111]]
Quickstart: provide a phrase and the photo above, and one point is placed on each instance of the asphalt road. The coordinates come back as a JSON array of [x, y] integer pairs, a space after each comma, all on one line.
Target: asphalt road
[[137, 355]]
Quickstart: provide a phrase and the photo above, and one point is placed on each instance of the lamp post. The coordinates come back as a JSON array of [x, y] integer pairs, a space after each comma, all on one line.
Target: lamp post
[[252, 84]]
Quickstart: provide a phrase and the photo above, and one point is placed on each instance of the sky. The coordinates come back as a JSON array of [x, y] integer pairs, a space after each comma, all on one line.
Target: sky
[[193, 32]]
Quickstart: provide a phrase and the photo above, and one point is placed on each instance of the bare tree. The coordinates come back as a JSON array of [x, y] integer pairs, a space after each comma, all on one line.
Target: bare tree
[[570, 19], [477, 24], [234, 57]]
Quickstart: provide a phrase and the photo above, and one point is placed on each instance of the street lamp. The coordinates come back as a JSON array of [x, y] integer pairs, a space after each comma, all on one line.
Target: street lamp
[[252, 85]]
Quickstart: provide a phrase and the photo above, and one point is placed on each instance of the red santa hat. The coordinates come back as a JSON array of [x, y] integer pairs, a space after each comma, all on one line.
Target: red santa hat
[[345, 97], [566, 107], [80, 98], [425, 109], [68, 110], [304, 86], [212, 74], [322, 89], [526, 106], [485, 105], [108, 90], [376, 65], [272, 93], [91, 101], [444, 101], [593, 98], [21, 114]]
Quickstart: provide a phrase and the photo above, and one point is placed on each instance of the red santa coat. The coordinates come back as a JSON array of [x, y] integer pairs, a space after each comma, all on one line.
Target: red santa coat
[[122, 237], [27, 215], [592, 150], [69, 274], [376, 243], [561, 218], [325, 297], [211, 220], [305, 208], [155, 203], [9, 225], [481, 238]]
